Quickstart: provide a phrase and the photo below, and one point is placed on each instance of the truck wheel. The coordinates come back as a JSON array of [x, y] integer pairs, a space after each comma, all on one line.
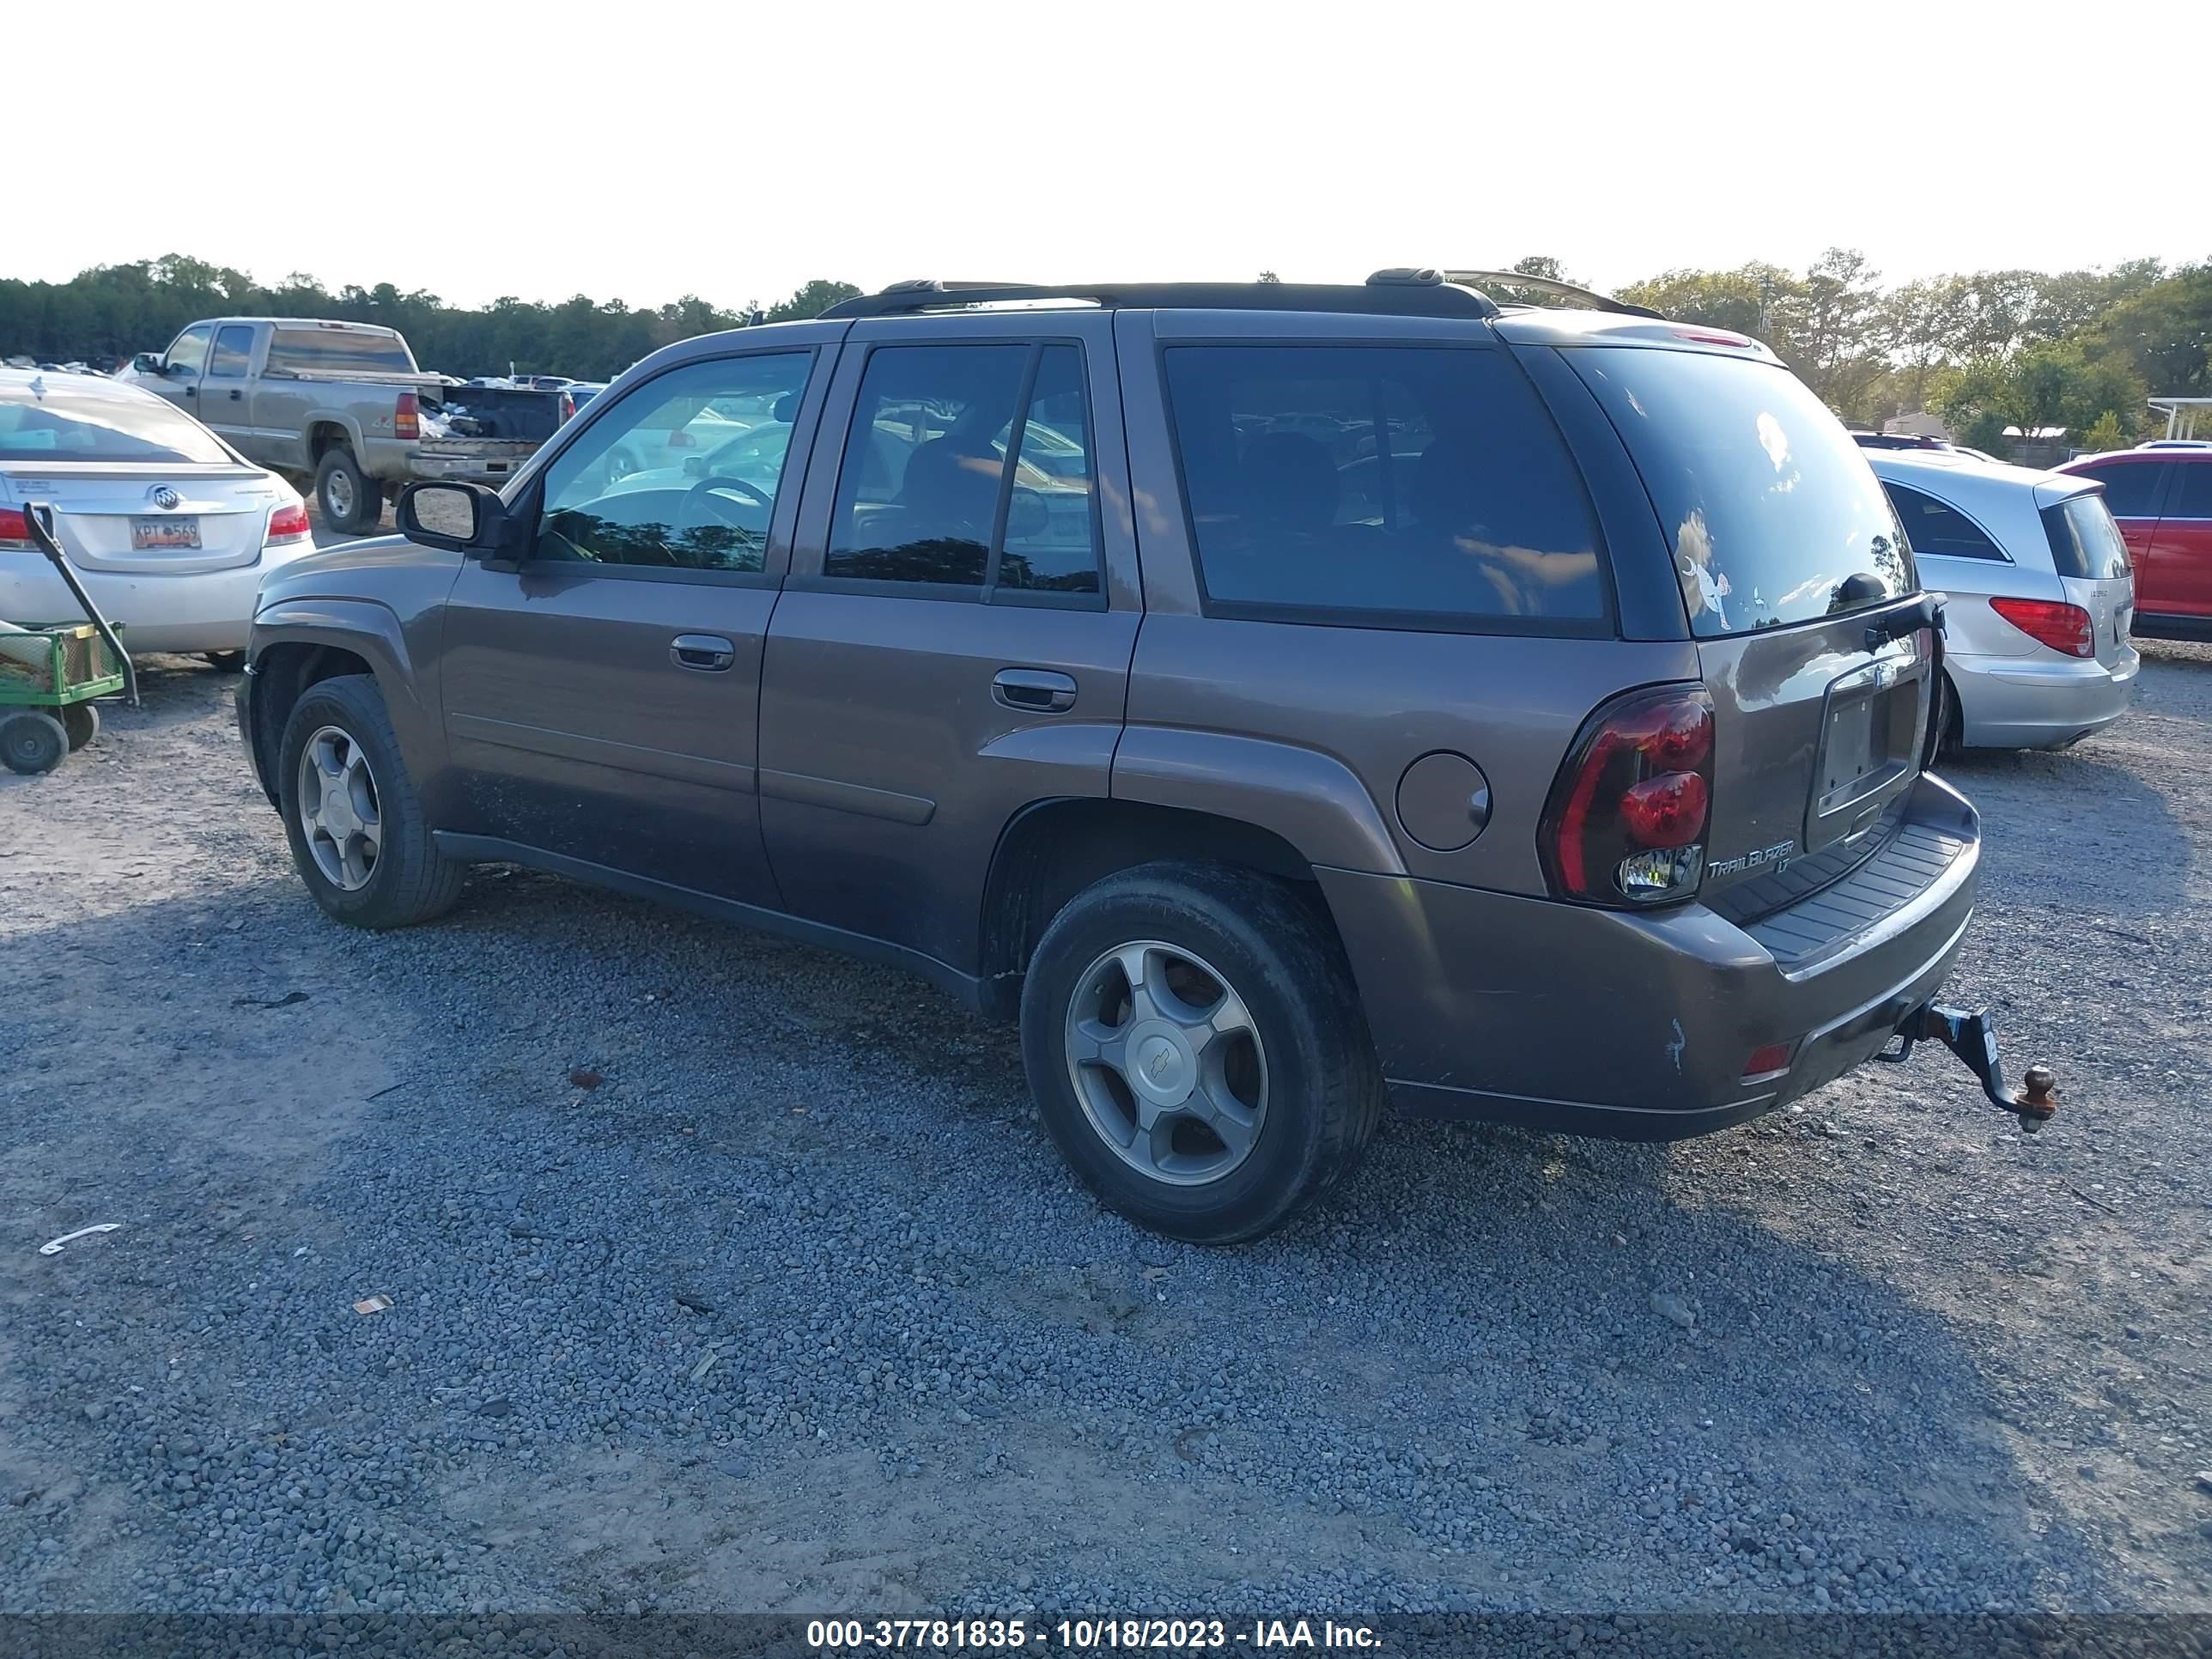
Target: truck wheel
[[351, 501], [1195, 1043], [80, 722], [356, 827], [33, 741]]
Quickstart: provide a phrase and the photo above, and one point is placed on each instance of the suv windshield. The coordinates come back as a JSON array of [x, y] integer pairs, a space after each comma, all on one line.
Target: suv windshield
[[46, 422], [1773, 514]]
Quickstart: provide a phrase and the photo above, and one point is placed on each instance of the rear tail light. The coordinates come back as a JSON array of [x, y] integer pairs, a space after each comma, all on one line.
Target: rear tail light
[[568, 408], [1627, 815], [288, 523], [407, 421], [15, 534], [2053, 623]]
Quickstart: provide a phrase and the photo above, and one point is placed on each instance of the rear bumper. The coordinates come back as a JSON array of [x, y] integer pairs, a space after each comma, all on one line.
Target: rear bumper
[[494, 469], [1494, 1006], [204, 611], [2030, 702]]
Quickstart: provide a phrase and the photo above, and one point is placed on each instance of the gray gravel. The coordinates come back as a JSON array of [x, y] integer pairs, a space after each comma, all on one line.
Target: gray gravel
[[797, 1309]]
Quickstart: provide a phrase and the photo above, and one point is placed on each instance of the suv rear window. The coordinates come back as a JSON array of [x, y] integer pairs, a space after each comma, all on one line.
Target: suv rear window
[[1418, 485], [1772, 512], [55, 425], [2084, 541], [339, 351]]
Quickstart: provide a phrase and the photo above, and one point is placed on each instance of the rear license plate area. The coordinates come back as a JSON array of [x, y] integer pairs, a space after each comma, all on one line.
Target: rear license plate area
[[1869, 746], [163, 535]]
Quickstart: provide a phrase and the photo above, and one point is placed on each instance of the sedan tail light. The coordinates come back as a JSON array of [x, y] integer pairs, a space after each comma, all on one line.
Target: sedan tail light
[[15, 534], [288, 523], [1627, 815], [2053, 623]]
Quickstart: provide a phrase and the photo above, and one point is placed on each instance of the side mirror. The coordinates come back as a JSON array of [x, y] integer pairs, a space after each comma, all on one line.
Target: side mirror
[[695, 467], [149, 362], [461, 518]]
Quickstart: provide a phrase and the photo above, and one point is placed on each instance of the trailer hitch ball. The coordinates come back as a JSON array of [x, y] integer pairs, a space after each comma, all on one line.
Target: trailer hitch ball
[[2039, 1100]]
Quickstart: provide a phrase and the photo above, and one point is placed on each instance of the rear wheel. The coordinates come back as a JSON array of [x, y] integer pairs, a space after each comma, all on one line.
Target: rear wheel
[[1946, 723], [81, 723], [1193, 1042], [358, 834], [33, 741], [351, 501]]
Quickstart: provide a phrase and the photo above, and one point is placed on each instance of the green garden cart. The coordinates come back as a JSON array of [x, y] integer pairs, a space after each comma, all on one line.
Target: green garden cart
[[51, 672]]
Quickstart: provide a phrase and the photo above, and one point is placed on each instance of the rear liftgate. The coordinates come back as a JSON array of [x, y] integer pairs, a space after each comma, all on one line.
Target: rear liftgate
[[1974, 1038]]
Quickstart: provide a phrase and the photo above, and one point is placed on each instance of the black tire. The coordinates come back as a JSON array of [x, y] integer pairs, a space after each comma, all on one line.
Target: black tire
[[410, 880], [81, 723], [227, 662], [31, 742], [1946, 724], [351, 501], [1275, 950]]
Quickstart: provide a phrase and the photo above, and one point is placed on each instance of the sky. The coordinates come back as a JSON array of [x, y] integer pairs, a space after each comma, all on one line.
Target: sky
[[641, 153]]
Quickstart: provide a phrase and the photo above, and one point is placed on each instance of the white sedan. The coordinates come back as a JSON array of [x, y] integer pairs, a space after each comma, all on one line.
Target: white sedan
[[169, 528]]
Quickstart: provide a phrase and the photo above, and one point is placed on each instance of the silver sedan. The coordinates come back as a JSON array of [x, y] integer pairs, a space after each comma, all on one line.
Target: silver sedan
[[2040, 596]]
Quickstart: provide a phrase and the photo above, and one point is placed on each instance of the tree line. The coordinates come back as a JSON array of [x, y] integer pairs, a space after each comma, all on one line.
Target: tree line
[[1983, 350], [111, 312]]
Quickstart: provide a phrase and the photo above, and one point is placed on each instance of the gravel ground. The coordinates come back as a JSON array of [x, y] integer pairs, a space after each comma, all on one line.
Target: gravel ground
[[797, 1309]]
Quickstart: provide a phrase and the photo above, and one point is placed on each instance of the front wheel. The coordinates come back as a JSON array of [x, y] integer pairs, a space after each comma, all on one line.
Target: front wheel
[[1192, 1038], [358, 836]]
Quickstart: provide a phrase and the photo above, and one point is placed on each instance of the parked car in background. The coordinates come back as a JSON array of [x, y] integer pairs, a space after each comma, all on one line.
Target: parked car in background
[[582, 391], [1410, 787], [1898, 441], [2038, 597], [169, 527], [2161, 496], [340, 407]]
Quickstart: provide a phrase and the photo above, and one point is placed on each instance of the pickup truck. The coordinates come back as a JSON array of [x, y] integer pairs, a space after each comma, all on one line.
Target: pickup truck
[[342, 409]]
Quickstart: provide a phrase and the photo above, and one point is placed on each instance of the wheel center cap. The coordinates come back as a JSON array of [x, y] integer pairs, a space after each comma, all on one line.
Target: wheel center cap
[[338, 813], [1161, 1067]]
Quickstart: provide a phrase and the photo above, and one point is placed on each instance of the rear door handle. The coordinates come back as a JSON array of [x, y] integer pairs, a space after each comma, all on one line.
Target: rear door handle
[[709, 653], [1033, 691]]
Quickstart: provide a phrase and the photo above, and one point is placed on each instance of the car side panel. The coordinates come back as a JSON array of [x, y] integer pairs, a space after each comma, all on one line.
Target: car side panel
[[2181, 547]]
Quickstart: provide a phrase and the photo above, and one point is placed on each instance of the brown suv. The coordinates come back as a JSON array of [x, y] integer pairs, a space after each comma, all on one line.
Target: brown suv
[[1278, 697]]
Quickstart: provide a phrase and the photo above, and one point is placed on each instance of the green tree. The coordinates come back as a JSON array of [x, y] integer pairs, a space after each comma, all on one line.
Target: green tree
[[811, 301], [2163, 333]]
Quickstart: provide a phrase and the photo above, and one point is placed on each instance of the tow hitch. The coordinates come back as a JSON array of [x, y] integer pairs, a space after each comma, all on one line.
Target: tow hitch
[[1974, 1038]]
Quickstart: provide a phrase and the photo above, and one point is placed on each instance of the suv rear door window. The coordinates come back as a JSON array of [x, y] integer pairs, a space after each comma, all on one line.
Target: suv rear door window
[[2194, 499], [1772, 512], [936, 490], [1417, 484], [1937, 530]]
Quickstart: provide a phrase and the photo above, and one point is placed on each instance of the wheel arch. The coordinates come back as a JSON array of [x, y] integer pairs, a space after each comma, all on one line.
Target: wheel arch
[[318, 639], [1052, 849]]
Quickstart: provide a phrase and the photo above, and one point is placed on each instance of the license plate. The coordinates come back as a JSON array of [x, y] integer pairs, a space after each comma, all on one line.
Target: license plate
[[151, 534], [1851, 753]]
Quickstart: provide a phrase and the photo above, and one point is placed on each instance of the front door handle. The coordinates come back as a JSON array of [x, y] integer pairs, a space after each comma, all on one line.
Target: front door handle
[[1033, 691], [709, 653], [235, 394]]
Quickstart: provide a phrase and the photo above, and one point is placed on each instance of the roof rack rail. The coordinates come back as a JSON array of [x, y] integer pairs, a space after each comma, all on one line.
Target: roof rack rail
[[1431, 276], [931, 293]]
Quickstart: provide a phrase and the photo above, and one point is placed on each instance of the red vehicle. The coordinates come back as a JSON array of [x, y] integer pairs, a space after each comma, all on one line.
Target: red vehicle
[[2161, 496]]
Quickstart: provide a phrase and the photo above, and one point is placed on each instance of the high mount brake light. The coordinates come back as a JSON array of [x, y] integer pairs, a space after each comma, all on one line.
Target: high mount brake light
[[1626, 819]]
